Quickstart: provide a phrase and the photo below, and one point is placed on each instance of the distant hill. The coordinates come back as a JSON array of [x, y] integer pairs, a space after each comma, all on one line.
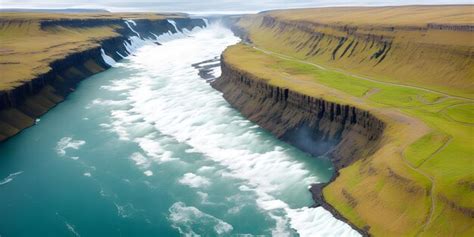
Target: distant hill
[[66, 10]]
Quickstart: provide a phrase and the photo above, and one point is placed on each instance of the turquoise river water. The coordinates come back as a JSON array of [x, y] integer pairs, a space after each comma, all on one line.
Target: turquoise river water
[[148, 148]]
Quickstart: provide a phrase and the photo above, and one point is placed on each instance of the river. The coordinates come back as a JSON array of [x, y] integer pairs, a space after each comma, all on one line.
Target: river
[[148, 148]]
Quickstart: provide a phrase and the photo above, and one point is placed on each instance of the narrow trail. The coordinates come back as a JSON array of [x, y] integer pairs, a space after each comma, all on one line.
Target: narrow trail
[[404, 159], [286, 57], [446, 143], [370, 92], [433, 183], [431, 191], [448, 117]]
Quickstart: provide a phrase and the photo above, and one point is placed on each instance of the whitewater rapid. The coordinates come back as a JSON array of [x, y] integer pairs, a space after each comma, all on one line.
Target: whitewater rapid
[[167, 97], [149, 148]]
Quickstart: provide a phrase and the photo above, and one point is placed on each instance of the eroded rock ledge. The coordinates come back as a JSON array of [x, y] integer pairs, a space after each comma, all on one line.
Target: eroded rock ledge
[[20, 106], [344, 133]]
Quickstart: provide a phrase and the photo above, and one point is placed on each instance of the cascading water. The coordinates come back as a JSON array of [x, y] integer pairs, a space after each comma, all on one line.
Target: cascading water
[[149, 148], [107, 59], [128, 22], [174, 25]]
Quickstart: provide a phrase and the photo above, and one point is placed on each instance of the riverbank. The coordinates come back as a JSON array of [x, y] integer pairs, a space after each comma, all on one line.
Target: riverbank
[[333, 51], [410, 170], [45, 56], [150, 147]]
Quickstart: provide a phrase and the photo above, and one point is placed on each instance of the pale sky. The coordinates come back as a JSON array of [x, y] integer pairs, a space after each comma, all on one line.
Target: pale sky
[[197, 6]]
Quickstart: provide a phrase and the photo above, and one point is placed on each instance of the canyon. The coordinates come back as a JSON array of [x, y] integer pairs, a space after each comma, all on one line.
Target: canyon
[[25, 98], [384, 93], [372, 94]]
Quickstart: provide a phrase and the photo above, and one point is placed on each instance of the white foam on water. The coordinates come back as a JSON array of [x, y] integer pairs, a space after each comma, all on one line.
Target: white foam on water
[[66, 143], [190, 150], [140, 160], [188, 220], [122, 210], [72, 229], [167, 93], [108, 103], [153, 149], [206, 21], [148, 173], [117, 87], [10, 178], [194, 181], [216, 72], [205, 169], [204, 198], [239, 201], [318, 222], [107, 59], [87, 174]]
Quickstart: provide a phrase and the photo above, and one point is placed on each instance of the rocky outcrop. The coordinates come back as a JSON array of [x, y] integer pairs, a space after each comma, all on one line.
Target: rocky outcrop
[[408, 54], [20, 106], [317, 191], [321, 40], [343, 132], [392, 52]]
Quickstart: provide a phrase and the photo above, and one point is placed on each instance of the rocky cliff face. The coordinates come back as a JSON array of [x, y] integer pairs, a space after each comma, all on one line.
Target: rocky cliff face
[[20, 106], [380, 51], [379, 175], [314, 125], [344, 133]]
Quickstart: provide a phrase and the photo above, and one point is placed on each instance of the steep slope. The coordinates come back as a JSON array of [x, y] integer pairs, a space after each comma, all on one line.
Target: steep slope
[[419, 46], [44, 57]]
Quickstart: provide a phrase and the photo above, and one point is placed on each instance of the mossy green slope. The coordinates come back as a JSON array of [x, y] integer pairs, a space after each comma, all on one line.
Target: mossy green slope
[[429, 47], [420, 182], [26, 50]]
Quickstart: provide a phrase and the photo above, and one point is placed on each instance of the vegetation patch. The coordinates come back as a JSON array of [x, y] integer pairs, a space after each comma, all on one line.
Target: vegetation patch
[[404, 178]]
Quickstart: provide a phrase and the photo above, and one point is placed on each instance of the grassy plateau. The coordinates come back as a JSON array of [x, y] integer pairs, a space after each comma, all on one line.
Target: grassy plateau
[[26, 50], [31, 42], [411, 67]]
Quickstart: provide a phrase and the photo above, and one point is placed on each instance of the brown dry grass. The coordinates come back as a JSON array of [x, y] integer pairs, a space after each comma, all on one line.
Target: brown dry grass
[[440, 60], [416, 187], [382, 16], [26, 50]]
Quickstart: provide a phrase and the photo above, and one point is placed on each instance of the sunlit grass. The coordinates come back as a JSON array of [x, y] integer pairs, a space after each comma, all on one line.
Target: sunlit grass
[[444, 153]]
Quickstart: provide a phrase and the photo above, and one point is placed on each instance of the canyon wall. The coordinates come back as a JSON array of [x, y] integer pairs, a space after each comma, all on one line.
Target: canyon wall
[[418, 55], [380, 189], [343, 132], [20, 106]]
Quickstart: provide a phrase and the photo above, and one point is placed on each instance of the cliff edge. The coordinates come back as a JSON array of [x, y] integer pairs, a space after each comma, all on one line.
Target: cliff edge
[[43, 57], [405, 161]]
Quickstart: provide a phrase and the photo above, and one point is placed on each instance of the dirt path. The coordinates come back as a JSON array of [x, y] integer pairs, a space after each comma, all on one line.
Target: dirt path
[[404, 159], [286, 57], [447, 116], [370, 92], [432, 207], [433, 183]]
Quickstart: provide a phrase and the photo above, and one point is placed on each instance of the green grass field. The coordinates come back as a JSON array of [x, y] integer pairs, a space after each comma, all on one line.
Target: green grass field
[[415, 77], [390, 44], [440, 154]]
